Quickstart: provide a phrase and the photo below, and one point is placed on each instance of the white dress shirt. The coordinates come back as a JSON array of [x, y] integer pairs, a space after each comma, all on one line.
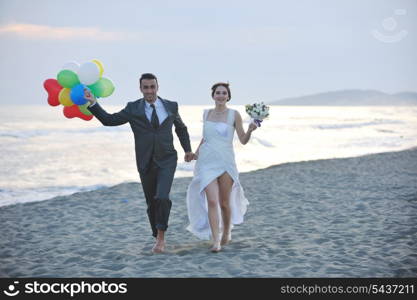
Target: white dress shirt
[[160, 110]]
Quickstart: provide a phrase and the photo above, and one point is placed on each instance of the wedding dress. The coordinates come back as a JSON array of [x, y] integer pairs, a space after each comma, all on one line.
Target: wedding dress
[[216, 156]]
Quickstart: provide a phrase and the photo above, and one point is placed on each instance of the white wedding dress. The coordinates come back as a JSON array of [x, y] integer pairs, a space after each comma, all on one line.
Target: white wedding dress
[[216, 156]]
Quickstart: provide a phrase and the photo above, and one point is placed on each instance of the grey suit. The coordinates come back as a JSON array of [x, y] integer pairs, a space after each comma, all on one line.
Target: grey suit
[[156, 157]]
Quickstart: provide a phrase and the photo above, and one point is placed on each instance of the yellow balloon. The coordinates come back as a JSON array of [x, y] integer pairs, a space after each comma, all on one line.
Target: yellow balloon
[[99, 65], [64, 97]]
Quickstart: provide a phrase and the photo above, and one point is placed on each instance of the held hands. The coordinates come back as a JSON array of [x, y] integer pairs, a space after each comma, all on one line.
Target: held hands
[[188, 156]]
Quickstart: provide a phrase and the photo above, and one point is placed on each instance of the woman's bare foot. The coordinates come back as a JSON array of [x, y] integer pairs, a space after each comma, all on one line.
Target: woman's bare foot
[[216, 247], [226, 239]]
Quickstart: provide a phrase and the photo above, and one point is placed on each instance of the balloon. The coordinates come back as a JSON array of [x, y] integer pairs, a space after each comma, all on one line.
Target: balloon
[[99, 65], [77, 94], [72, 66], [74, 111], [64, 97], [89, 73], [84, 109], [67, 78], [104, 87], [71, 82], [53, 88]]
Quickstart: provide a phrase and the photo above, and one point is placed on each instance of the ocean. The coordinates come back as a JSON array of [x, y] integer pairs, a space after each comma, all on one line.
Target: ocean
[[43, 154]]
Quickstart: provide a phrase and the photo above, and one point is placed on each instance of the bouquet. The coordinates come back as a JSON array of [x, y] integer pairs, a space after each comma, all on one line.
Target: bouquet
[[258, 112]]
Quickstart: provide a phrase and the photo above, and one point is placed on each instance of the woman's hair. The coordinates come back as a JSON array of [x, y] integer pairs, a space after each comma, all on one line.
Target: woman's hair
[[216, 85]]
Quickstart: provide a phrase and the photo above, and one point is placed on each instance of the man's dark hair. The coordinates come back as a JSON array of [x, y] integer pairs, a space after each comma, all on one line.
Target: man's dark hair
[[147, 76]]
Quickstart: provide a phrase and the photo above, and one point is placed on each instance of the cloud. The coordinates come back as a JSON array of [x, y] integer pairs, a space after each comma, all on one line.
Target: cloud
[[203, 38], [33, 31]]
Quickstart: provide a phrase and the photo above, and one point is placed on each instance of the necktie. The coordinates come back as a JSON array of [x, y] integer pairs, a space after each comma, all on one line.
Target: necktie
[[154, 118]]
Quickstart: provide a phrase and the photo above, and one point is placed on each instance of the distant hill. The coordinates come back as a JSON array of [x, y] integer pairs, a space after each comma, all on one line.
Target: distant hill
[[351, 98]]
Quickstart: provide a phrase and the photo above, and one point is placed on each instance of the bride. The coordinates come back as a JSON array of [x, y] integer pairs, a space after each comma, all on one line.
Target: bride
[[215, 198]]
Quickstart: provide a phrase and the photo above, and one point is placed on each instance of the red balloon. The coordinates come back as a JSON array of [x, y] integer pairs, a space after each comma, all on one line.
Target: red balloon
[[73, 111], [53, 88]]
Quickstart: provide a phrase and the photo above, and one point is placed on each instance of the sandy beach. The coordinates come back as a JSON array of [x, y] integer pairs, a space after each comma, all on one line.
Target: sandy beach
[[350, 217]]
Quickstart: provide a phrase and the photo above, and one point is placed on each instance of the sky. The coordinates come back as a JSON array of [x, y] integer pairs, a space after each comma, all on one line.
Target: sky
[[266, 50]]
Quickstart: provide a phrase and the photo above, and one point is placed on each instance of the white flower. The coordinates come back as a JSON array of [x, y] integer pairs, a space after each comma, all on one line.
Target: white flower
[[257, 111]]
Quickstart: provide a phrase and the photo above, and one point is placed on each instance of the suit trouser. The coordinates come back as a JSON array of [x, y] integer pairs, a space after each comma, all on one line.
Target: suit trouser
[[156, 184]]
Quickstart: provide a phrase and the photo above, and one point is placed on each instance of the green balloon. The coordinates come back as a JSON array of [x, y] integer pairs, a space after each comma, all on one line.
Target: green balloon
[[83, 108], [104, 87], [67, 78]]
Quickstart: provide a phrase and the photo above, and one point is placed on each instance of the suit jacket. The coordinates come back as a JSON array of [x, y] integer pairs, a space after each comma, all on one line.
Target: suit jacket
[[150, 144]]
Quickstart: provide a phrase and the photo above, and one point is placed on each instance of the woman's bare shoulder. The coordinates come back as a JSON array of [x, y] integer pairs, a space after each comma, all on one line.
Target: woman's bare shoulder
[[237, 113]]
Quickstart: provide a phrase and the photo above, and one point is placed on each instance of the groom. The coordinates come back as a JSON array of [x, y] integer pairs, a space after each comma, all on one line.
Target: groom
[[151, 119]]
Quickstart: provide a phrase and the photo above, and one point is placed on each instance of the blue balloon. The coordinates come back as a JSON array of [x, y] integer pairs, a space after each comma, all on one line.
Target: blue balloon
[[77, 94]]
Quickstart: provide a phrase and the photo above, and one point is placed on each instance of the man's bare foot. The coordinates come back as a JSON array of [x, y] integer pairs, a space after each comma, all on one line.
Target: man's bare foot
[[160, 242], [159, 246]]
